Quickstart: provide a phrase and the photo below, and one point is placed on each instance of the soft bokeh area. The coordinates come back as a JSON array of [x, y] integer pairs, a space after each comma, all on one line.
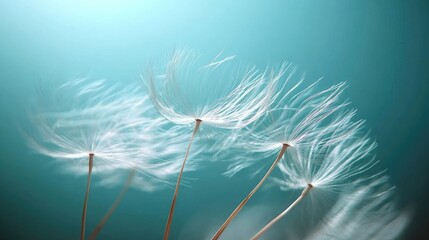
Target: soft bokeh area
[[380, 48]]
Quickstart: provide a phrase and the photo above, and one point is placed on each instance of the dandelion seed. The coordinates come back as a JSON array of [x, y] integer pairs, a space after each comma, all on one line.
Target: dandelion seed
[[370, 207], [325, 167], [187, 94], [109, 128], [296, 120]]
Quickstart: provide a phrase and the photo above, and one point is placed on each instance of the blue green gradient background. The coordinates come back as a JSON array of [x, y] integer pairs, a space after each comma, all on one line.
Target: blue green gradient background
[[380, 48]]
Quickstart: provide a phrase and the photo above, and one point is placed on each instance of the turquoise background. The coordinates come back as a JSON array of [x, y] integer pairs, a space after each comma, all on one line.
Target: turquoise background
[[380, 48]]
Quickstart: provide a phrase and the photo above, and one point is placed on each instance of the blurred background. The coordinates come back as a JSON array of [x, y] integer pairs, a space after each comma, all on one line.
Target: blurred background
[[380, 48]]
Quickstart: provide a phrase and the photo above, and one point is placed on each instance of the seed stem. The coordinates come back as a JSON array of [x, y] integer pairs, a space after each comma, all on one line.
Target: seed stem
[[245, 200], [115, 205], [302, 196], [176, 191], [85, 204]]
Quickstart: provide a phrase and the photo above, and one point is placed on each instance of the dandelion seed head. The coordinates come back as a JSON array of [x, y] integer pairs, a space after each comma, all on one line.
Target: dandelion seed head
[[116, 124], [298, 116], [188, 90], [326, 166], [368, 206]]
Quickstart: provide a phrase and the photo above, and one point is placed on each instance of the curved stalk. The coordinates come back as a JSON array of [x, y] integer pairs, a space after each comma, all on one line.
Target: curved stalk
[[245, 200], [302, 196], [176, 191], [112, 209], [85, 203]]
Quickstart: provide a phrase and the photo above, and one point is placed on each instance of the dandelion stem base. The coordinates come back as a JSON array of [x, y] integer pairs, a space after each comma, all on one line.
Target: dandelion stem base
[[85, 204], [115, 205], [245, 200], [270, 224], [176, 191]]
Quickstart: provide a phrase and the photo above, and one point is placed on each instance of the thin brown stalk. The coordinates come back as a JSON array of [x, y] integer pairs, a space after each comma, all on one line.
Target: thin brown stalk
[[245, 200], [176, 191], [270, 224], [115, 205], [85, 204]]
